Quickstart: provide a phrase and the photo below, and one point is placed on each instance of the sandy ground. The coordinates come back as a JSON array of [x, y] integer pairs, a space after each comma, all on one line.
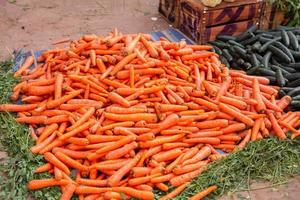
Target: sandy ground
[[34, 24]]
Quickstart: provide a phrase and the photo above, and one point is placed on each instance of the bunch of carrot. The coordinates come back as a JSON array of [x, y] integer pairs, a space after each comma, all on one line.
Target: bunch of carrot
[[125, 114]]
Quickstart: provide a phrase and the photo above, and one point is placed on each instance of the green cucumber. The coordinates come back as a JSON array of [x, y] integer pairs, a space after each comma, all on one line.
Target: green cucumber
[[285, 38], [294, 41], [280, 54], [279, 78], [266, 59]]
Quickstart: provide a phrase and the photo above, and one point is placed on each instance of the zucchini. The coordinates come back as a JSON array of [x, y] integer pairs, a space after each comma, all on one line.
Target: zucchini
[[250, 40], [256, 46], [265, 72], [295, 104], [243, 37], [227, 55], [219, 44], [264, 40], [217, 50], [285, 38], [285, 50], [266, 35], [265, 46], [240, 61], [296, 98], [234, 65], [232, 42], [294, 41], [240, 52], [224, 61], [296, 54], [266, 59], [288, 69], [280, 54], [293, 76], [272, 79], [252, 29], [294, 92], [259, 57], [295, 65], [281, 93], [284, 72], [287, 28], [247, 65], [279, 78], [254, 61], [287, 89], [294, 83], [225, 38], [253, 70]]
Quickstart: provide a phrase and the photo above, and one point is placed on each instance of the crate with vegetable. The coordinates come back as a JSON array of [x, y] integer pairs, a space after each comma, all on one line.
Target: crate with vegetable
[[203, 23]]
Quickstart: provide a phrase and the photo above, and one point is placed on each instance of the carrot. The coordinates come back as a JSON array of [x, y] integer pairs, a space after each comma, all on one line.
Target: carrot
[[38, 184], [175, 192], [58, 85], [122, 63], [151, 49], [83, 119], [140, 171], [277, 129], [255, 129], [159, 141], [224, 87], [163, 178], [70, 162], [118, 99], [148, 117], [53, 160], [167, 155], [117, 144], [163, 187], [116, 177], [32, 120], [140, 194], [44, 168], [189, 168], [91, 190], [17, 108], [205, 103], [27, 63], [68, 192], [141, 180], [57, 102], [118, 153], [47, 131], [212, 123], [206, 134], [204, 193], [37, 148], [237, 115], [79, 129], [131, 46], [200, 155]]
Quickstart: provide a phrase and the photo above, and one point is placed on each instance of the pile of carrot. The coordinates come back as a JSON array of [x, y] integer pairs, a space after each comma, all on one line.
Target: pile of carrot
[[124, 115]]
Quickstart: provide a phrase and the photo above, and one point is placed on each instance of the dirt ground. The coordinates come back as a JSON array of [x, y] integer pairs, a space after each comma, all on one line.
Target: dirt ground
[[34, 24]]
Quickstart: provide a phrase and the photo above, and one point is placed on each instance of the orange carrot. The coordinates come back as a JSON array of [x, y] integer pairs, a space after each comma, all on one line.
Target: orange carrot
[[243, 118], [27, 63], [203, 193], [175, 192], [38, 184]]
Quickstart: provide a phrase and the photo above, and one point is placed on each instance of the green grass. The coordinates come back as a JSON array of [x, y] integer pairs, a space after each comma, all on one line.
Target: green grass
[[18, 168], [269, 159]]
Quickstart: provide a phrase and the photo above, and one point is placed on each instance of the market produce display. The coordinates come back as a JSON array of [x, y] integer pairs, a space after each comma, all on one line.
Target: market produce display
[[274, 54], [121, 115]]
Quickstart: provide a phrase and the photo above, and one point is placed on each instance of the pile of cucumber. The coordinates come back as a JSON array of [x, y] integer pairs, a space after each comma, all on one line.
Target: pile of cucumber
[[274, 54]]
